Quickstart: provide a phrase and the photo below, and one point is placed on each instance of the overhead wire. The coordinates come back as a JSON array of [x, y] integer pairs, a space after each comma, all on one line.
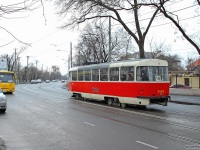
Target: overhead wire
[[152, 11], [120, 24], [112, 25], [158, 15]]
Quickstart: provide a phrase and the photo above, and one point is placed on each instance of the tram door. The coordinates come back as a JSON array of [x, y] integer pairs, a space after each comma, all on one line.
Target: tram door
[[187, 81]]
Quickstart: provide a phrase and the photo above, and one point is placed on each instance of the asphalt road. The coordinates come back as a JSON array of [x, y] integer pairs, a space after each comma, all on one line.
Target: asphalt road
[[44, 117]]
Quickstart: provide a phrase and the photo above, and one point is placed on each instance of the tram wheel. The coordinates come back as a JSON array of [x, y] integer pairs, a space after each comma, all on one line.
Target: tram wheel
[[123, 105], [78, 96], [142, 106], [110, 101]]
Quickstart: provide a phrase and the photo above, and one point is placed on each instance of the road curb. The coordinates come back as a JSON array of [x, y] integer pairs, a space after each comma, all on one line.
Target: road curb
[[187, 92], [182, 102]]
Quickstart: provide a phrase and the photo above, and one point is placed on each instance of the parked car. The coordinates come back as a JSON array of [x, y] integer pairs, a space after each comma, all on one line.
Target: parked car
[[39, 81], [180, 86], [47, 81], [33, 81], [3, 101]]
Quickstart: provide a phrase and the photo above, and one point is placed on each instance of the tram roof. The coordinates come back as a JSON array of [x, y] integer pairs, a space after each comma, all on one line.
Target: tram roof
[[118, 63]]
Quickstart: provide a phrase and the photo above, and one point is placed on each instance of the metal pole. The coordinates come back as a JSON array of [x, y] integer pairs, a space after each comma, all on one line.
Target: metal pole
[[18, 69], [68, 62], [42, 73], [27, 69], [36, 69], [71, 52], [79, 53], [15, 60], [109, 55]]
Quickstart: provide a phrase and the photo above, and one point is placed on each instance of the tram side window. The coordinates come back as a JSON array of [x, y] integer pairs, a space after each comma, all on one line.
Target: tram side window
[[74, 75], [114, 74], [80, 75], [87, 75], [95, 75], [104, 74], [127, 73]]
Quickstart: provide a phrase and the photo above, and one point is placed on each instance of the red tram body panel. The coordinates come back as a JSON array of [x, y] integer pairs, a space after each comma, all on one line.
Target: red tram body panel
[[121, 89]]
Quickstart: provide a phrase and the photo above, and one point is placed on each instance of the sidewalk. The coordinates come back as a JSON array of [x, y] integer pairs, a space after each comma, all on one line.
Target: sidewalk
[[194, 93]]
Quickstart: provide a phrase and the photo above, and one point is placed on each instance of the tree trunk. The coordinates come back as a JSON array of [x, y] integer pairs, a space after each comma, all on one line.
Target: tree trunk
[[141, 49]]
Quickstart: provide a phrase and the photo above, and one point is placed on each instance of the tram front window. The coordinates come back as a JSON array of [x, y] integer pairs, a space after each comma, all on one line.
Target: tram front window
[[152, 73]]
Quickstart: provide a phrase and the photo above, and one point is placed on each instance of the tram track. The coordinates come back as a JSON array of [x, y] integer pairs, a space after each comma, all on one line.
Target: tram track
[[133, 111], [157, 118], [195, 114]]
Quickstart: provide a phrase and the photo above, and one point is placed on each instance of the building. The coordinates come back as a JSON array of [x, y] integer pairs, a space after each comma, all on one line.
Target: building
[[195, 66]]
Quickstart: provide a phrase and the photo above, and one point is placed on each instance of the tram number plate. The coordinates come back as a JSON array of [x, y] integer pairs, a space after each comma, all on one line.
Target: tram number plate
[[94, 89], [161, 91]]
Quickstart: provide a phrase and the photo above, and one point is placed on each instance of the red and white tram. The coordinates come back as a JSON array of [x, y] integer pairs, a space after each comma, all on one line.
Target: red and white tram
[[133, 82]]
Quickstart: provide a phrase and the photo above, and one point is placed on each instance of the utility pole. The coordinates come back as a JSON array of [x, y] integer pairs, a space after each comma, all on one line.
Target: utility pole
[[18, 69], [42, 72], [15, 60], [68, 62], [27, 69], [109, 53], [71, 53], [36, 61]]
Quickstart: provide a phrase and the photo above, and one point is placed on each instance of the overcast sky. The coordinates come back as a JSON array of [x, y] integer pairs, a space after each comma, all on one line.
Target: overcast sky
[[47, 38]]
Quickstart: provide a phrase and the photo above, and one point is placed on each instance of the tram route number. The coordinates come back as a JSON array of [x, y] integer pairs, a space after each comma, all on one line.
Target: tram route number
[[161, 91]]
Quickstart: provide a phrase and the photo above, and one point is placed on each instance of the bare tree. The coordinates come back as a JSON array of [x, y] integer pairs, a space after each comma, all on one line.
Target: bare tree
[[174, 61], [93, 44], [174, 18], [55, 74], [84, 10], [9, 8], [158, 48]]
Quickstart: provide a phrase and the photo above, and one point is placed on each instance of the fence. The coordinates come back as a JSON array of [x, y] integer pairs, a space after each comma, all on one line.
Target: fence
[[185, 78]]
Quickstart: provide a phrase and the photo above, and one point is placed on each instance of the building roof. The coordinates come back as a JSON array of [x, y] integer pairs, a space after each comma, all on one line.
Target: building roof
[[194, 64]]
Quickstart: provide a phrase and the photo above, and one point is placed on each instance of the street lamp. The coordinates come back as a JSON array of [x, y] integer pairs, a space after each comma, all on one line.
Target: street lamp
[[70, 55], [27, 75]]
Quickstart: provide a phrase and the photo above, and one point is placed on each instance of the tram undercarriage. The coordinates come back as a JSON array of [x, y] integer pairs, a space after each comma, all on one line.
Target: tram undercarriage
[[123, 102]]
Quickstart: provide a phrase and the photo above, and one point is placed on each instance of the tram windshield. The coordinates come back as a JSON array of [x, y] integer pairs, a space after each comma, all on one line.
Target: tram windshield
[[152, 73]]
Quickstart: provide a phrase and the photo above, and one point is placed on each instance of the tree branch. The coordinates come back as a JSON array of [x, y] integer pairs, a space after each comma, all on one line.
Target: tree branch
[[28, 44], [162, 9]]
